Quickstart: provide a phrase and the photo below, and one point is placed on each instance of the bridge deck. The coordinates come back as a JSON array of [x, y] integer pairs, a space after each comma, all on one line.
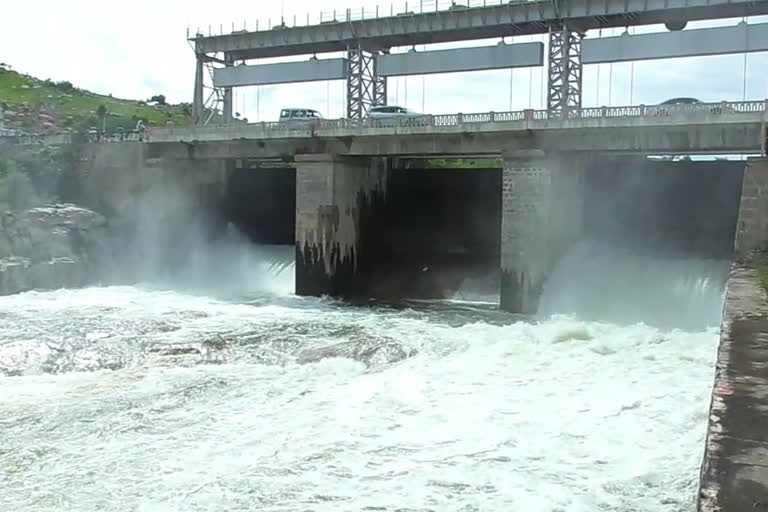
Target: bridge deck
[[439, 26], [702, 128]]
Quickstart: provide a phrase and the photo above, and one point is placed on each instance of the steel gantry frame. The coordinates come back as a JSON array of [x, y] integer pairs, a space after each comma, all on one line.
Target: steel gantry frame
[[565, 72], [365, 89]]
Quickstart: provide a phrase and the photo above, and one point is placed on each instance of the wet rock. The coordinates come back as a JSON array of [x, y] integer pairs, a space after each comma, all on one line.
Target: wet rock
[[371, 352], [50, 247], [179, 354], [185, 354], [175, 350]]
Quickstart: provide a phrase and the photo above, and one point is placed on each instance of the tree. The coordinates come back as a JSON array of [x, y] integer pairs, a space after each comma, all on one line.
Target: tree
[[159, 98]]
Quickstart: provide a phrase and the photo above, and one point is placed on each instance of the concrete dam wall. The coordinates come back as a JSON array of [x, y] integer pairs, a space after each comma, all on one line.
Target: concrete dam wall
[[364, 229]]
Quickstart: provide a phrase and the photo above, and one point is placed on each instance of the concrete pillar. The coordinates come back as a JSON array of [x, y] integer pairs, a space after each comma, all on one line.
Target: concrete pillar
[[228, 99], [542, 204], [198, 107], [752, 226], [337, 199]]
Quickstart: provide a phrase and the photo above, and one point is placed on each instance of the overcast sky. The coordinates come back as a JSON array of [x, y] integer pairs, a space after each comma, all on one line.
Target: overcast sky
[[138, 48]]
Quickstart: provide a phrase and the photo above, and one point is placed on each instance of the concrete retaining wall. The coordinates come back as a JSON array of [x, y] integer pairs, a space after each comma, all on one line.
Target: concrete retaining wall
[[752, 227], [734, 474]]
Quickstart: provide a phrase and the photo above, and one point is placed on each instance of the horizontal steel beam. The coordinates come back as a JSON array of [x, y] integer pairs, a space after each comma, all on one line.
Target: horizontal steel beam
[[281, 73], [502, 20], [685, 43], [461, 59]]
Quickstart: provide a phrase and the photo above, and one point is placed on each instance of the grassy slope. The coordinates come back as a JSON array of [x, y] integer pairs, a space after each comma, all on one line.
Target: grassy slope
[[81, 106]]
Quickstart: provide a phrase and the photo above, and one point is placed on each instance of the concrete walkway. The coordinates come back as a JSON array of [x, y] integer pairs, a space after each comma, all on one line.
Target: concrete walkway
[[734, 475]]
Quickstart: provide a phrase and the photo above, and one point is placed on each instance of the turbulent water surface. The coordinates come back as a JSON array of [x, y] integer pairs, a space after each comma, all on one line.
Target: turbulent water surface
[[143, 399]]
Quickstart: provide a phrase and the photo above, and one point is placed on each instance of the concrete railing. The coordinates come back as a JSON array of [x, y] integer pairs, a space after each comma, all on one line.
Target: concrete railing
[[27, 139], [701, 112]]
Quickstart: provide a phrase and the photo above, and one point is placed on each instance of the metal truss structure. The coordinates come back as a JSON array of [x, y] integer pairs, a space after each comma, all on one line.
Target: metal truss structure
[[565, 72], [365, 88]]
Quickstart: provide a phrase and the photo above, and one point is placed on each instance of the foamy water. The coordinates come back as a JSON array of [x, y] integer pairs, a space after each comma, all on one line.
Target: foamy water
[[492, 413]]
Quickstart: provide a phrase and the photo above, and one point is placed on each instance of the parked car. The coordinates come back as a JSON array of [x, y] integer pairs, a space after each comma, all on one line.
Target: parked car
[[391, 115], [299, 115], [681, 101], [391, 112], [665, 107]]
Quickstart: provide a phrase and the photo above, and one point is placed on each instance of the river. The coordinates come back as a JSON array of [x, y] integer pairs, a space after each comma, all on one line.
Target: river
[[565, 412]]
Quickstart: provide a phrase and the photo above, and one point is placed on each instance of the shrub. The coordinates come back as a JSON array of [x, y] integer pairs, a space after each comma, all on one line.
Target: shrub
[[65, 85]]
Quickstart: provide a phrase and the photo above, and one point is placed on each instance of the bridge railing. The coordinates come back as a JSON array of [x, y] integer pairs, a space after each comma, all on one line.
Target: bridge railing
[[321, 127], [394, 9]]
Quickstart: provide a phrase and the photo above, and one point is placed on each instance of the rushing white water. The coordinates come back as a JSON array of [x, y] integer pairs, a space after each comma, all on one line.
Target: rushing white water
[[597, 282], [491, 413]]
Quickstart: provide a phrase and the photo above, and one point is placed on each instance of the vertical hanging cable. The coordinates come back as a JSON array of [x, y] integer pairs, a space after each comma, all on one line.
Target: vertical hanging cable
[[597, 93], [423, 87], [405, 94], [610, 78], [423, 94], [632, 79], [541, 76], [530, 85], [511, 86], [744, 68], [397, 90]]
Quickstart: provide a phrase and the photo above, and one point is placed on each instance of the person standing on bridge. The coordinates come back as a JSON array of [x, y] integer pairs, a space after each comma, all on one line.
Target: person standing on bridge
[[140, 128]]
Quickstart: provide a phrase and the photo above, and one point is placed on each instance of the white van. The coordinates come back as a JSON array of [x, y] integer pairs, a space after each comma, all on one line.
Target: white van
[[390, 111], [301, 115]]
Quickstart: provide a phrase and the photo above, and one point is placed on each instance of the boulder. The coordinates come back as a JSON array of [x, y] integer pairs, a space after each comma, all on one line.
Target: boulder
[[55, 246]]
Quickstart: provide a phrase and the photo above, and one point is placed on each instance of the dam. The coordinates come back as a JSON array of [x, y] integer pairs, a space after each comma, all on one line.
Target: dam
[[396, 228], [154, 384], [603, 249], [270, 270], [555, 309]]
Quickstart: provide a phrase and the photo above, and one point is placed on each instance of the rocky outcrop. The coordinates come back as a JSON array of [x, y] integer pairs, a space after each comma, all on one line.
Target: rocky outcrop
[[55, 246], [371, 352]]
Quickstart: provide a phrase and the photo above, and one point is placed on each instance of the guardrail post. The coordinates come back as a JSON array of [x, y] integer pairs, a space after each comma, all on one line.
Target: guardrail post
[[493, 117], [460, 119], [603, 111], [642, 111], [528, 114]]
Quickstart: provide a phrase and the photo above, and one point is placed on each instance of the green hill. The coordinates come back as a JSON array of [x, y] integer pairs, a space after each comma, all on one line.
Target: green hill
[[42, 106]]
